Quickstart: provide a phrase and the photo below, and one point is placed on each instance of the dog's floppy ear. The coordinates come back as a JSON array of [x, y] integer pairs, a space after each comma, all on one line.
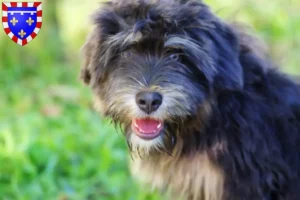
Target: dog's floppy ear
[[229, 74], [89, 54], [100, 44], [253, 55]]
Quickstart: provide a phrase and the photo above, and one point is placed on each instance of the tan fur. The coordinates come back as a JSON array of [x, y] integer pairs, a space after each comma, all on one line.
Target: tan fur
[[99, 105], [194, 174]]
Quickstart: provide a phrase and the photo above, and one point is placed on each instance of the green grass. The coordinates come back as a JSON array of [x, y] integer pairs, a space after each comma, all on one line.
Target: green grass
[[53, 145]]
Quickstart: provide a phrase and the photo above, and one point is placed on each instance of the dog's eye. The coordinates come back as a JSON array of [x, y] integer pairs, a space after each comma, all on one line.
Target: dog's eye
[[126, 54], [174, 57]]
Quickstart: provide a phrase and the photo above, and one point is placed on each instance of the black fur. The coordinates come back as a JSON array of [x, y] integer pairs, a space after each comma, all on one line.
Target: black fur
[[255, 110]]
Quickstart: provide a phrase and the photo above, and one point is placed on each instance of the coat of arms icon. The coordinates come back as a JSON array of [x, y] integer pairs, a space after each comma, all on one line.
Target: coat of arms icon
[[22, 21]]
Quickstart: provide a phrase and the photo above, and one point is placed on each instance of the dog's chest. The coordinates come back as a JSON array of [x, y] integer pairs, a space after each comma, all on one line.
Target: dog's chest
[[192, 178]]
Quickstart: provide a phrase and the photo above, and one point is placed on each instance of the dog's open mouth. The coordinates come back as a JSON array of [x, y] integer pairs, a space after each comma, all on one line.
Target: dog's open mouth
[[147, 128]]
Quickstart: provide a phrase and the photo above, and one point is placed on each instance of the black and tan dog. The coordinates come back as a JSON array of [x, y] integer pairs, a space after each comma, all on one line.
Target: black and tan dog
[[205, 115]]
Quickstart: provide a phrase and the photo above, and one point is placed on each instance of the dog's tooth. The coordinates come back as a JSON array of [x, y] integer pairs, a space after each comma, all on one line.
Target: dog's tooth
[[136, 125], [158, 126]]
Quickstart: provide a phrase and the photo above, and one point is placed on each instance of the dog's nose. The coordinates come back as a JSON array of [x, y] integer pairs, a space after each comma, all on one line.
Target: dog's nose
[[149, 101]]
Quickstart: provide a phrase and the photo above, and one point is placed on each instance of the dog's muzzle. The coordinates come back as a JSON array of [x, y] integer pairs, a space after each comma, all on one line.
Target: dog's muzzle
[[148, 128]]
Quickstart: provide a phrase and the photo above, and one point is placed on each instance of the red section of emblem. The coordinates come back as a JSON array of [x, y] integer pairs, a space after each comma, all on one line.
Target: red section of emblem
[[39, 24], [36, 4], [23, 37], [39, 13], [24, 42], [15, 39], [13, 4], [33, 35], [4, 19], [4, 7], [7, 30]]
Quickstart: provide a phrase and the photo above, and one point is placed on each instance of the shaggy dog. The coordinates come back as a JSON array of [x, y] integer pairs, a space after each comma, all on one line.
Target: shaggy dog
[[205, 115]]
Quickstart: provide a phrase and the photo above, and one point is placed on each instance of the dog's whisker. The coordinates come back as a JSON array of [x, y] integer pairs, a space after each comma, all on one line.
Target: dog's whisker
[[136, 80]]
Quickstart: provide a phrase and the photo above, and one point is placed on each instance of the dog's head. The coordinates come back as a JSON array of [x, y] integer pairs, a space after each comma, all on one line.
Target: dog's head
[[154, 65]]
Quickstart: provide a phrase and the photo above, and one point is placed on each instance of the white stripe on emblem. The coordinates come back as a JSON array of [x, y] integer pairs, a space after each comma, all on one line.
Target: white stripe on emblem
[[30, 4], [19, 5], [39, 7], [39, 19], [11, 35], [4, 13], [36, 30], [21, 12], [7, 4], [29, 38], [5, 25], [19, 41]]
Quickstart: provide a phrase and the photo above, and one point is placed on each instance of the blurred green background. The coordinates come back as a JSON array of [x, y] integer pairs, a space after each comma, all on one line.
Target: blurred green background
[[52, 144]]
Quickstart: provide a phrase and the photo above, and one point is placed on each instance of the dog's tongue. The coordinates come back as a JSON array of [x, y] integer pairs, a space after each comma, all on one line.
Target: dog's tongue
[[148, 125]]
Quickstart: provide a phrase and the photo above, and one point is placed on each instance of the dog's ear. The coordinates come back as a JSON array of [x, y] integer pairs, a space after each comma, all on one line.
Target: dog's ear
[[101, 43], [253, 55], [229, 74], [89, 54]]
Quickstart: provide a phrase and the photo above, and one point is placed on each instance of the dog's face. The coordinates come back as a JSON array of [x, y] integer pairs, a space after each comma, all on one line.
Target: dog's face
[[154, 67]]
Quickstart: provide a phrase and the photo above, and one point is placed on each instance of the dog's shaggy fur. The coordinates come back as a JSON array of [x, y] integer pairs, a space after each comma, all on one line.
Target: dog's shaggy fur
[[231, 121]]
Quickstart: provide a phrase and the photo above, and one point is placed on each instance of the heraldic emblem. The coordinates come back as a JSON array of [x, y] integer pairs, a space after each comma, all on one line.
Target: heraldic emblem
[[22, 21]]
